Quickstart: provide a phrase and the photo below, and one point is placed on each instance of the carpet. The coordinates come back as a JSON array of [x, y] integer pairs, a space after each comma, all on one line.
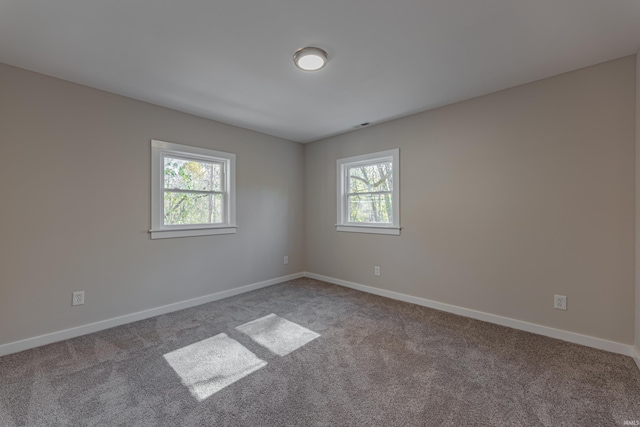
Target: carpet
[[307, 353]]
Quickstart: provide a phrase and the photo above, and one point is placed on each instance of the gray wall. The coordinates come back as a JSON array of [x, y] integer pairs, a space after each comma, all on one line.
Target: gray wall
[[506, 200], [637, 323], [75, 188]]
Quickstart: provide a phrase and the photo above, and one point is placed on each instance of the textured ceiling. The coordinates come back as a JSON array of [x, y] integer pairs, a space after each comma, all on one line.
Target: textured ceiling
[[231, 60]]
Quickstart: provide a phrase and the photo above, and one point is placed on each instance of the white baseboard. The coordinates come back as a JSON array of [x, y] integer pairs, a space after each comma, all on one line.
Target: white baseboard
[[38, 341], [636, 355], [601, 344]]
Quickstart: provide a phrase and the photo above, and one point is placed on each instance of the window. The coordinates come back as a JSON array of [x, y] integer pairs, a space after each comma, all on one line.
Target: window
[[369, 193], [192, 191]]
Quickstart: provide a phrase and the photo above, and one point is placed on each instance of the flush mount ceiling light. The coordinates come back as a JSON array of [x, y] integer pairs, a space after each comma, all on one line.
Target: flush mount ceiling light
[[310, 58]]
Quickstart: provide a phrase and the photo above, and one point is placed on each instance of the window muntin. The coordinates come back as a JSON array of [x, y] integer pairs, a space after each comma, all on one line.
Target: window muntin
[[368, 193], [192, 191]]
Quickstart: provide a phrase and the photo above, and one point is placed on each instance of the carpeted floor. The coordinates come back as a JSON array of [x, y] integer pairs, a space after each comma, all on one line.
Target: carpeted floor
[[309, 353]]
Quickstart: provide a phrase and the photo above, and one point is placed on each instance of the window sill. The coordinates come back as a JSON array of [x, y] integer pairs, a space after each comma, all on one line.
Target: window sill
[[169, 233], [371, 229]]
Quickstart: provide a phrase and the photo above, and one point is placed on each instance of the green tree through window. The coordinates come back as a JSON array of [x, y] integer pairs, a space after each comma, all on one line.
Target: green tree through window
[[192, 192], [369, 196]]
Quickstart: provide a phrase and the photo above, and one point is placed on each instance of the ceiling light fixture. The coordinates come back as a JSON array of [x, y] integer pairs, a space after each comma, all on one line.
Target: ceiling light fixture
[[310, 58]]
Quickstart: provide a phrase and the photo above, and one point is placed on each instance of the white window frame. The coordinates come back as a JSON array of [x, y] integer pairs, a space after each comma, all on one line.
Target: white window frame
[[162, 149], [342, 166]]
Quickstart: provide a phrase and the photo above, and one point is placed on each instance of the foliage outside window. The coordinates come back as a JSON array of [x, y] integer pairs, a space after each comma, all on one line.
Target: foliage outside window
[[192, 191], [368, 193]]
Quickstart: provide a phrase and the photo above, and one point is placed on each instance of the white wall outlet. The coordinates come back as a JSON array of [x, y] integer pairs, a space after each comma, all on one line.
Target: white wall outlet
[[560, 302], [78, 298], [376, 270], [286, 259]]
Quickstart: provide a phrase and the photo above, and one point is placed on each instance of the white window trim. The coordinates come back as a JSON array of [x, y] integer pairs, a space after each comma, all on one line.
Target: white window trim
[[342, 189], [160, 231]]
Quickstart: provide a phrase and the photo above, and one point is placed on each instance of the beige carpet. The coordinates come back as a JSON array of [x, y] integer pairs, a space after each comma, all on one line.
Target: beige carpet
[[309, 353]]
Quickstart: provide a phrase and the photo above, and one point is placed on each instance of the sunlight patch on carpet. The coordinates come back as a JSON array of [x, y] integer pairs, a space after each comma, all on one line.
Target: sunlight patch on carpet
[[277, 334], [210, 365]]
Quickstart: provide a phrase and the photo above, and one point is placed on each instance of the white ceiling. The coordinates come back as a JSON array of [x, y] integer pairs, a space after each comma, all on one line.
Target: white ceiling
[[231, 60]]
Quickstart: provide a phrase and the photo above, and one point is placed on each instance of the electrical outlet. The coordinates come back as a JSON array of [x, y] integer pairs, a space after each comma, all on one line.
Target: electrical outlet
[[286, 259], [560, 302], [78, 298], [376, 270]]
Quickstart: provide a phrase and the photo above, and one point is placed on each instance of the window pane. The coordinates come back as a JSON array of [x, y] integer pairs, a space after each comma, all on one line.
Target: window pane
[[368, 178], [374, 208], [192, 175], [189, 208]]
